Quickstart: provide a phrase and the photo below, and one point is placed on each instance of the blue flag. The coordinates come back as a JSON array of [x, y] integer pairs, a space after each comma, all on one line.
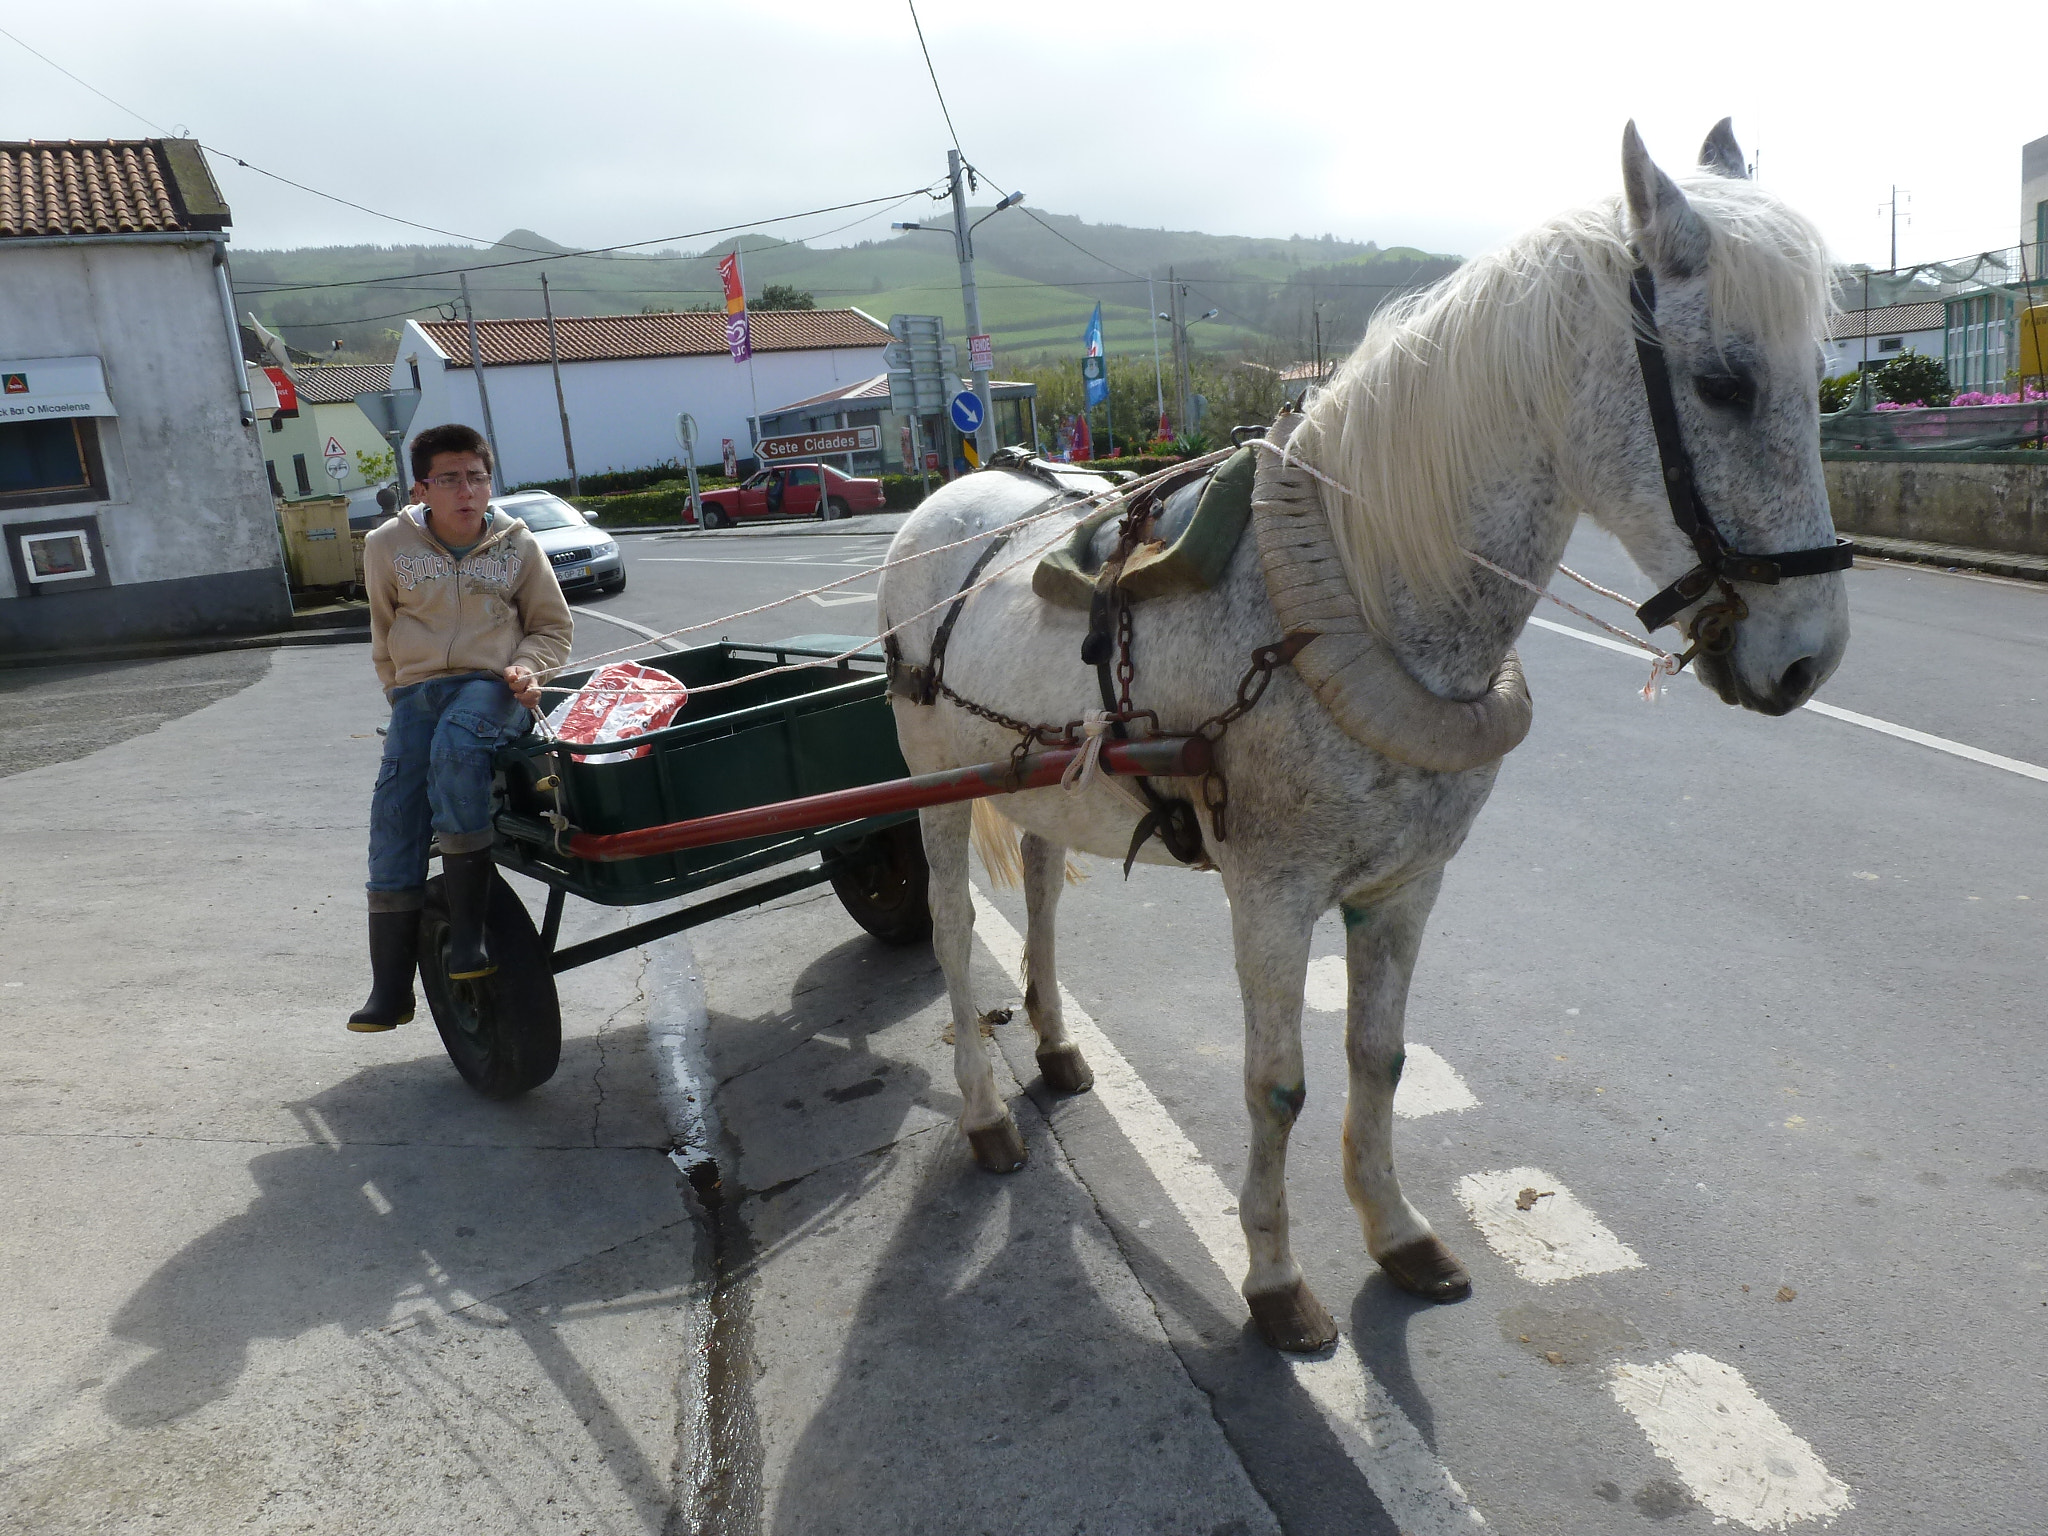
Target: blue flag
[[1094, 365]]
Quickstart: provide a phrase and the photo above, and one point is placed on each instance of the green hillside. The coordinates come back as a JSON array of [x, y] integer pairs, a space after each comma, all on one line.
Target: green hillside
[[1040, 275]]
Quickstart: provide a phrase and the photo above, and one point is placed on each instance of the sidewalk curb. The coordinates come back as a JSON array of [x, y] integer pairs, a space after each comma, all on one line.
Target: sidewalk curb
[[1953, 556], [158, 650]]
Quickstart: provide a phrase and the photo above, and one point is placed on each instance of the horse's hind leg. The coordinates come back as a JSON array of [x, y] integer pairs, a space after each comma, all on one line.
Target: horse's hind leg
[[991, 1132], [1381, 941], [1271, 930], [1059, 1059]]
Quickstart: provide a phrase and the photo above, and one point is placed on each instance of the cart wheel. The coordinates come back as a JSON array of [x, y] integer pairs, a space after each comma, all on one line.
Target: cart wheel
[[882, 882], [502, 1031]]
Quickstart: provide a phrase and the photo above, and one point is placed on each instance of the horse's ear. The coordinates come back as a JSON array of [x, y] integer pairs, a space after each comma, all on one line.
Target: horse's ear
[[1670, 235], [1721, 154]]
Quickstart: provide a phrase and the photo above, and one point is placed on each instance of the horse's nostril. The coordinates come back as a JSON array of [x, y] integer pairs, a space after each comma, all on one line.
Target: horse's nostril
[[1797, 682]]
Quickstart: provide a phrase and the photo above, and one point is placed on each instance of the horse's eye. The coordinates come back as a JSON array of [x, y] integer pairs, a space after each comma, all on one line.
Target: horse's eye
[[1726, 390]]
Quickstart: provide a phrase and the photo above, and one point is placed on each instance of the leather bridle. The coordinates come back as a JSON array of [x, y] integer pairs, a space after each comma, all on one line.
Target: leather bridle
[[1713, 628]]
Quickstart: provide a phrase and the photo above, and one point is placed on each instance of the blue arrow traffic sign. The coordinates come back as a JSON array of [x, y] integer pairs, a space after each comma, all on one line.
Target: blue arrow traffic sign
[[966, 411]]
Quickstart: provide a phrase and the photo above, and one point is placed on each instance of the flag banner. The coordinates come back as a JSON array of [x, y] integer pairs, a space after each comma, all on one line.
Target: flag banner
[[735, 287], [1097, 378], [737, 339]]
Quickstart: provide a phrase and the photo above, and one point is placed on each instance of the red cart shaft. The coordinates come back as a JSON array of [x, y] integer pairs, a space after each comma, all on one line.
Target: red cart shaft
[[1177, 757]]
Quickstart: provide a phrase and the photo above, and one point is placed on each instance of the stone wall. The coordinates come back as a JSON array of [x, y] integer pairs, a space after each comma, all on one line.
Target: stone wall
[[1990, 501]]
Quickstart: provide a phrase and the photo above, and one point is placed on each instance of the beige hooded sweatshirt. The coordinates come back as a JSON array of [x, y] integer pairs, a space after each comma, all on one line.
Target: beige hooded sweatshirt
[[431, 616]]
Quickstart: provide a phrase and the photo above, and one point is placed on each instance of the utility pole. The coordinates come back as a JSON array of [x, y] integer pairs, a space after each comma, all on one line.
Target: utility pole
[[476, 366], [562, 405], [985, 434], [1178, 338], [1158, 381]]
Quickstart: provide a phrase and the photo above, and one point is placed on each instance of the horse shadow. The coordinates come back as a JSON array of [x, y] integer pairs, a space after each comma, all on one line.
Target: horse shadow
[[360, 1234]]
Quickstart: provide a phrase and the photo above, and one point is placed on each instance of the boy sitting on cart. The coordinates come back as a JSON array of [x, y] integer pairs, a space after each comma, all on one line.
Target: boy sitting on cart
[[464, 612]]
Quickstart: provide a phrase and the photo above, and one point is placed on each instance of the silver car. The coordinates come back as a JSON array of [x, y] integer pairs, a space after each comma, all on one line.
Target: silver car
[[584, 557]]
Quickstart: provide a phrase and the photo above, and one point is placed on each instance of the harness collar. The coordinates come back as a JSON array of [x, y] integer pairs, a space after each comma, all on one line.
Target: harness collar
[[1713, 628]]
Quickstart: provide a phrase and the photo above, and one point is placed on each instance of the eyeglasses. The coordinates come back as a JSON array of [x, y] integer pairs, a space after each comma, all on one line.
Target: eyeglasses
[[453, 482]]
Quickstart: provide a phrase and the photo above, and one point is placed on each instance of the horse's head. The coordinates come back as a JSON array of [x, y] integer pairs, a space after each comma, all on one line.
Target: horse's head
[[1740, 291]]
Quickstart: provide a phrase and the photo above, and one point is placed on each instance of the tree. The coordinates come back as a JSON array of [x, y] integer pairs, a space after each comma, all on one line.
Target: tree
[[1914, 379], [783, 296]]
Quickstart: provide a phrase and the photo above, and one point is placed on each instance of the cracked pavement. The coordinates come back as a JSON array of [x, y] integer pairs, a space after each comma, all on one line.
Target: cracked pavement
[[265, 1274]]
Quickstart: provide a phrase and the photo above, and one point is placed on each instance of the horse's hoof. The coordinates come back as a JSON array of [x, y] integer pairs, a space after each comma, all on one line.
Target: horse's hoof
[[999, 1148], [1428, 1269], [1064, 1069], [1292, 1319]]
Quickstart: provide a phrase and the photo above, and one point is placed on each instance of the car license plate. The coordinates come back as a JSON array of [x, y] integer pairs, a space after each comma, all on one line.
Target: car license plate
[[574, 572]]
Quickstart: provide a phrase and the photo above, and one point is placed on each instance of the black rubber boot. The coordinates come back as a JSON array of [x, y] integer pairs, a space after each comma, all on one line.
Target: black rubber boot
[[468, 877], [394, 956]]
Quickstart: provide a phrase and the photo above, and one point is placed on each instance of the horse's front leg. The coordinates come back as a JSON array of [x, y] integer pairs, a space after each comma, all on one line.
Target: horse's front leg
[[1271, 929], [1059, 1059], [991, 1132], [1380, 943]]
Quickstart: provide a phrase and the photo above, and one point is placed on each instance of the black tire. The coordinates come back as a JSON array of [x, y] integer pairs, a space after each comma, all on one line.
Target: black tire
[[502, 1031], [884, 884], [619, 585], [714, 516], [835, 508]]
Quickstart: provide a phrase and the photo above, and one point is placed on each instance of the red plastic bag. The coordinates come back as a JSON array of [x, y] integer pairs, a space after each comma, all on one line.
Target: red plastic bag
[[622, 700]]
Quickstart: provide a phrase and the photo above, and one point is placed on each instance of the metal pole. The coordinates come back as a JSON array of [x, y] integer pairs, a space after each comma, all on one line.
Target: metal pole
[[1158, 379], [483, 395], [562, 405], [985, 434]]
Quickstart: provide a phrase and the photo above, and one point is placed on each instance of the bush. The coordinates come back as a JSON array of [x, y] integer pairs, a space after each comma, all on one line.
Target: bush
[[1914, 379], [1838, 393], [616, 481]]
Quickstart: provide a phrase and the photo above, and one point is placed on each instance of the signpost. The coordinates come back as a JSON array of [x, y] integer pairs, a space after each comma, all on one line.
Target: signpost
[[811, 445], [923, 372], [966, 413], [686, 437], [981, 353], [731, 457], [337, 461], [390, 412]]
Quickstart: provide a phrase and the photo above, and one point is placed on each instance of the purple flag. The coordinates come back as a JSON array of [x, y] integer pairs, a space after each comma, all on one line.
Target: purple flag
[[736, 338]]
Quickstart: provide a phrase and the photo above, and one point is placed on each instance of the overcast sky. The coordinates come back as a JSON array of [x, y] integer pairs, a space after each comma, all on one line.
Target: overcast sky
[[1446, 127]]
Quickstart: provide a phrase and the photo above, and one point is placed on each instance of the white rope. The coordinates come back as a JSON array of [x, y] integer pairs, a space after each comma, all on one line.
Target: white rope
[[1663, 663], [1110, 496]]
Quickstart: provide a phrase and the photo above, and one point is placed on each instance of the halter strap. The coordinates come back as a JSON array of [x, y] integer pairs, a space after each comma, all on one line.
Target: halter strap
[[1718, 563]]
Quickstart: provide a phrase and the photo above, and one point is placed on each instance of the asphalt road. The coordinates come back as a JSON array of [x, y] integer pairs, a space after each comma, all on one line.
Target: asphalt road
[[1756, 999]]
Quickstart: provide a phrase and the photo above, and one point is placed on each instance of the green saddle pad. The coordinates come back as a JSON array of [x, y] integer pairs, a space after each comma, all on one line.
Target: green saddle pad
[[1190, 558]]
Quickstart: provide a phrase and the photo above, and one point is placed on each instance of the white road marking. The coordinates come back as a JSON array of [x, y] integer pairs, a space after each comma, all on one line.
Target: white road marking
[[841, 599], [1430, 1086], [1329, 985], [613, 618], [1417, 1490], [2025, 770], [1734, 1454], [721, 560], [1557, 1238]]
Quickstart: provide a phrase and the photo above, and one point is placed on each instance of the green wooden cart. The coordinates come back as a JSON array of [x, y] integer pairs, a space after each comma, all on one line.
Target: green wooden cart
[[786, 768]]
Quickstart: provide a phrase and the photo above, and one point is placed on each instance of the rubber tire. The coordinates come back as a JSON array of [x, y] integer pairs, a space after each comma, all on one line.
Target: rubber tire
[[836, 510], [714, 517], [617, 586], [502, 1031], [884, 883]]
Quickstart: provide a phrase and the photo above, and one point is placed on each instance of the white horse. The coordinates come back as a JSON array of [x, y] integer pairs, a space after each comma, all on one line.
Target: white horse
[[1485, 415]]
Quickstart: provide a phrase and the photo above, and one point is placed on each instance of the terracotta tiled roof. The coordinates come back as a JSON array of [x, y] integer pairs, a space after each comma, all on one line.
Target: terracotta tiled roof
[[106, 187], [334, 383], [1895, 321], [608, 338]]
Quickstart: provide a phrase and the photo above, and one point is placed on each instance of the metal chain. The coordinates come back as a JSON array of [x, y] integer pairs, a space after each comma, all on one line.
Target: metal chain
[[1250, 689]]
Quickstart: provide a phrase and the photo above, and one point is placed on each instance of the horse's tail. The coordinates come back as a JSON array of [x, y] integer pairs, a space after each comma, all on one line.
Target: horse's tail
[[995, 839]]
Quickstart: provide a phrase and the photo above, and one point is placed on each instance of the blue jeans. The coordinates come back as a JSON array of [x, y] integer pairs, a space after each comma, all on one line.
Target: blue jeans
[[435, 779]]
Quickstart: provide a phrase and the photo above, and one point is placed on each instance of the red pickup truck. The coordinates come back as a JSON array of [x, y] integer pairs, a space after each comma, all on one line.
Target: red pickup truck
[[792, 490]]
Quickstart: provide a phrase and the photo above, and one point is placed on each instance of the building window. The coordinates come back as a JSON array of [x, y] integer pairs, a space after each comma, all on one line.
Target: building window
[[1891, 343], [299, 469], [43, 463], [414, 364], [270, 469]]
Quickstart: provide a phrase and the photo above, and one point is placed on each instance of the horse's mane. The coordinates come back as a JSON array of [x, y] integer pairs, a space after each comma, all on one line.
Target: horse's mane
[[1413, 421]]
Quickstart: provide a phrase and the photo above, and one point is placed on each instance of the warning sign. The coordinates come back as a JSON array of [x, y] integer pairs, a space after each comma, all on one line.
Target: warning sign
[[334, 450]]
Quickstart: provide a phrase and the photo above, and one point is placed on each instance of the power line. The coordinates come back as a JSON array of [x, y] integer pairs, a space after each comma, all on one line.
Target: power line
[[103, 96], [944, 111]]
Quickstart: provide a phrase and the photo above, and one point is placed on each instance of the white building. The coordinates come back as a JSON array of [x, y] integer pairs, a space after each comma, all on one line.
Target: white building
[[625, 378], [1870, 338], [133, 503]]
